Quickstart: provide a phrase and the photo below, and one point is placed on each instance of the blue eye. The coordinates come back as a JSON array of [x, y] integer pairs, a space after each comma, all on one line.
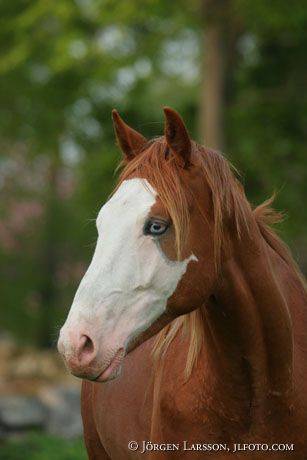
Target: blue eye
[[155, 227]]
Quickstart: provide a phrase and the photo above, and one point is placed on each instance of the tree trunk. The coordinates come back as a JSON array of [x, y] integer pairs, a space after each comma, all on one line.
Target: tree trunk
[[220, 33], [49, 258]]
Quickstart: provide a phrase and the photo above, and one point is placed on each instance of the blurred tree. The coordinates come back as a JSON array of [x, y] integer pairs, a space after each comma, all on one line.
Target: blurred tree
[[267, 110], [222, 27]]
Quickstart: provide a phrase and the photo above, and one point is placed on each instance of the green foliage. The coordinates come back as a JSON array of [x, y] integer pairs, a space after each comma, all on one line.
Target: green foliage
[[42, 447], [268, 107]]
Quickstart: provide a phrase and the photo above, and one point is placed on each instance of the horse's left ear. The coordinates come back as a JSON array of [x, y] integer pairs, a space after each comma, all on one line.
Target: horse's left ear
[[177, 137], [130, 141]]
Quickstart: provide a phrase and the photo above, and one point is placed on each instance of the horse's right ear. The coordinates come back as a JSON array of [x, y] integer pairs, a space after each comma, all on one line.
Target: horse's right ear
[[130, 141], [177, 136]]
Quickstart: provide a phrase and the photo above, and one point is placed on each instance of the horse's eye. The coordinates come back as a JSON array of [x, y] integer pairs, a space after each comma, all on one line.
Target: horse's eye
[[155, 227]]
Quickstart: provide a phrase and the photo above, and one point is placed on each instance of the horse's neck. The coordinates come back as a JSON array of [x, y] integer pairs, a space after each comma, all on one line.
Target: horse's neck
[[249, 325]]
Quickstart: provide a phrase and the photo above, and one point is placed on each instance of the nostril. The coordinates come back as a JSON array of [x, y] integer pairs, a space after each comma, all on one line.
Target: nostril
[[87, 345]]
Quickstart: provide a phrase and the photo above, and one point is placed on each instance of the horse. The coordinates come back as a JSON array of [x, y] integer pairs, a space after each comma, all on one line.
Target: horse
[[189, 326]]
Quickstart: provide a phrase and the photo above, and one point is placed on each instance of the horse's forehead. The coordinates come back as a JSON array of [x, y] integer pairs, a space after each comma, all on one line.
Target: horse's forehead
[[132, 196]]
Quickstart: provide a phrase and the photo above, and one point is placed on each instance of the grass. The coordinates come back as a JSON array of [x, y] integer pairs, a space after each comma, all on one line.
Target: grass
[[42, 447]]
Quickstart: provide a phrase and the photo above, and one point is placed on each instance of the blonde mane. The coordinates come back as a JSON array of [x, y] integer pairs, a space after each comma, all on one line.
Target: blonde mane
[[155, 164]]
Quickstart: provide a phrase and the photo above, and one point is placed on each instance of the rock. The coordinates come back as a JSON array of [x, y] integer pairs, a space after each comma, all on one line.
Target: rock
[[63, 406], [21, 413], [36, 392], [45, 365], [8, 351]]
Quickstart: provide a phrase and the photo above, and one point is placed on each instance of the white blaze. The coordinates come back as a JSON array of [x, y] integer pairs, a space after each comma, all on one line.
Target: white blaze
[[129, 280]]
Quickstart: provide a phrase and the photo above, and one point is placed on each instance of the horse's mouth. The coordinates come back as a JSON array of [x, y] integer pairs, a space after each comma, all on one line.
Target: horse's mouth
[[113, 368]]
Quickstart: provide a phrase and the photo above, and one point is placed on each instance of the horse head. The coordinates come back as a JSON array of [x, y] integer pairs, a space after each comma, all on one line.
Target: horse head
[[155, 257]]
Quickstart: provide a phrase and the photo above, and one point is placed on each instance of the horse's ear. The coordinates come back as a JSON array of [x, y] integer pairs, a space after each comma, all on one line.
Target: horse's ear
[[130, 141], [177, 137]]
